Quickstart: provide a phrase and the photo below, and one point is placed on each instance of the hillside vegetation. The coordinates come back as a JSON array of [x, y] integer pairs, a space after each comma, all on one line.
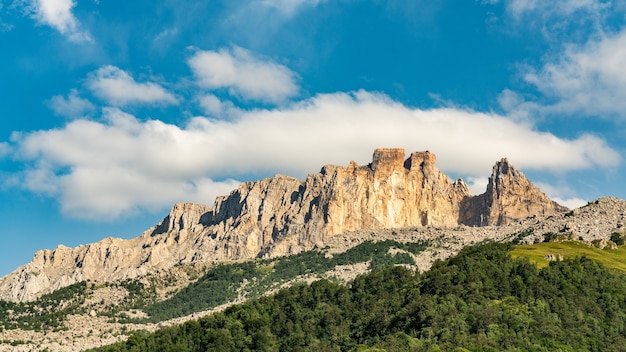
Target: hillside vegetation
[[482, 299], [46, 313], [221, 284], [542, 253], [226, 282]]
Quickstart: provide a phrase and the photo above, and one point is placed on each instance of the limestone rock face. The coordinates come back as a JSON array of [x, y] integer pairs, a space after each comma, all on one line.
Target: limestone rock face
[[283, 215], [509, 196]]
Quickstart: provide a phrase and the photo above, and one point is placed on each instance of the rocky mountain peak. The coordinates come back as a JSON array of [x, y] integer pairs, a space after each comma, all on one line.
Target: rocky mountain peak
[[509, 196], [502, 168], [182, 216], [283, 215], [387, 160], [504, 174], [423, 162]]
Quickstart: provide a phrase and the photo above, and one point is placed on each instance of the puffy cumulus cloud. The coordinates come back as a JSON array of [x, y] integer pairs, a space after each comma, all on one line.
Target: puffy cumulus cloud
[[73, 106], [118, 88], [587, 78], [58, 15], [120, 164], [213, 106], [244, 75], [338, 127], [119, 191]]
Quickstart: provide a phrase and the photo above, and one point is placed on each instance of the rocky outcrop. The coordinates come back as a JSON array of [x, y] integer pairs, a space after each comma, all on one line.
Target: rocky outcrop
[[593, 223], [283, 215], [509, 196]]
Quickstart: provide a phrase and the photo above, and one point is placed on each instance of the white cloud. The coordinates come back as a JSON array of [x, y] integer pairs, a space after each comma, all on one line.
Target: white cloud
[[118, 88], [106, 169], [562, 195], [571, 203], [211, 104], [587, 79], [166, 34], [477, 184], [58, 15], [73, 106], [122, 191], [519, 107], [243, 75], [215, 107], [41, 179]]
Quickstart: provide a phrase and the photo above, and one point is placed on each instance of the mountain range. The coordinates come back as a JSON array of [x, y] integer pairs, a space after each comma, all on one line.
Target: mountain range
[[337, 224], [283, 215]]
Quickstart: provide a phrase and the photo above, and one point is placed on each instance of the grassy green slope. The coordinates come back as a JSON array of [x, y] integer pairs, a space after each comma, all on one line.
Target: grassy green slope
[[614, 259]]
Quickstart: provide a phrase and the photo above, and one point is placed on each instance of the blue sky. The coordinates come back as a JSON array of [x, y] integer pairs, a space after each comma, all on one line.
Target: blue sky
[[112, 111]]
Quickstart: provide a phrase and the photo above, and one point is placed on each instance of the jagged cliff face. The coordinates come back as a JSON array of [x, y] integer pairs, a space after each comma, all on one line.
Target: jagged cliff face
[[510, 196], [283, 215]]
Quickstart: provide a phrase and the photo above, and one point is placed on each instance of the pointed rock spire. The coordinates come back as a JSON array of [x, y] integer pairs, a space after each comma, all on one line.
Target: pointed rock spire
[[509, 196]]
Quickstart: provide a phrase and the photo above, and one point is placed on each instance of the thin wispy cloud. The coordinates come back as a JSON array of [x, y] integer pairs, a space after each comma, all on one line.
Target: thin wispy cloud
[[560, 8], [5, 149], [588, 79], [560, 21], [290, 7], [582, 74], [3, 25]]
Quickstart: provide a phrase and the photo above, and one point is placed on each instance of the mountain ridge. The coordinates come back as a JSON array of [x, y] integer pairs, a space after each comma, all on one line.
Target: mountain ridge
[[103, 317], [283, 215]]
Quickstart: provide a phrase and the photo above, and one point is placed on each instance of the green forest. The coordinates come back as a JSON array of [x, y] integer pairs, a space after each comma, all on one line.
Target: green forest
[[46, 313], [224, 282], [480, 300], [218, 285]]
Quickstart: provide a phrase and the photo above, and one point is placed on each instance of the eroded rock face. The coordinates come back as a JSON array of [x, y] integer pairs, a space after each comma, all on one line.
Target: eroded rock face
[[509, 196], [283, 215]]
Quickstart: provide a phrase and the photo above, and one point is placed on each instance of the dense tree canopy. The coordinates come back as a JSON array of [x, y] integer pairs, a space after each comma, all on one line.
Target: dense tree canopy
[[480, 300]]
